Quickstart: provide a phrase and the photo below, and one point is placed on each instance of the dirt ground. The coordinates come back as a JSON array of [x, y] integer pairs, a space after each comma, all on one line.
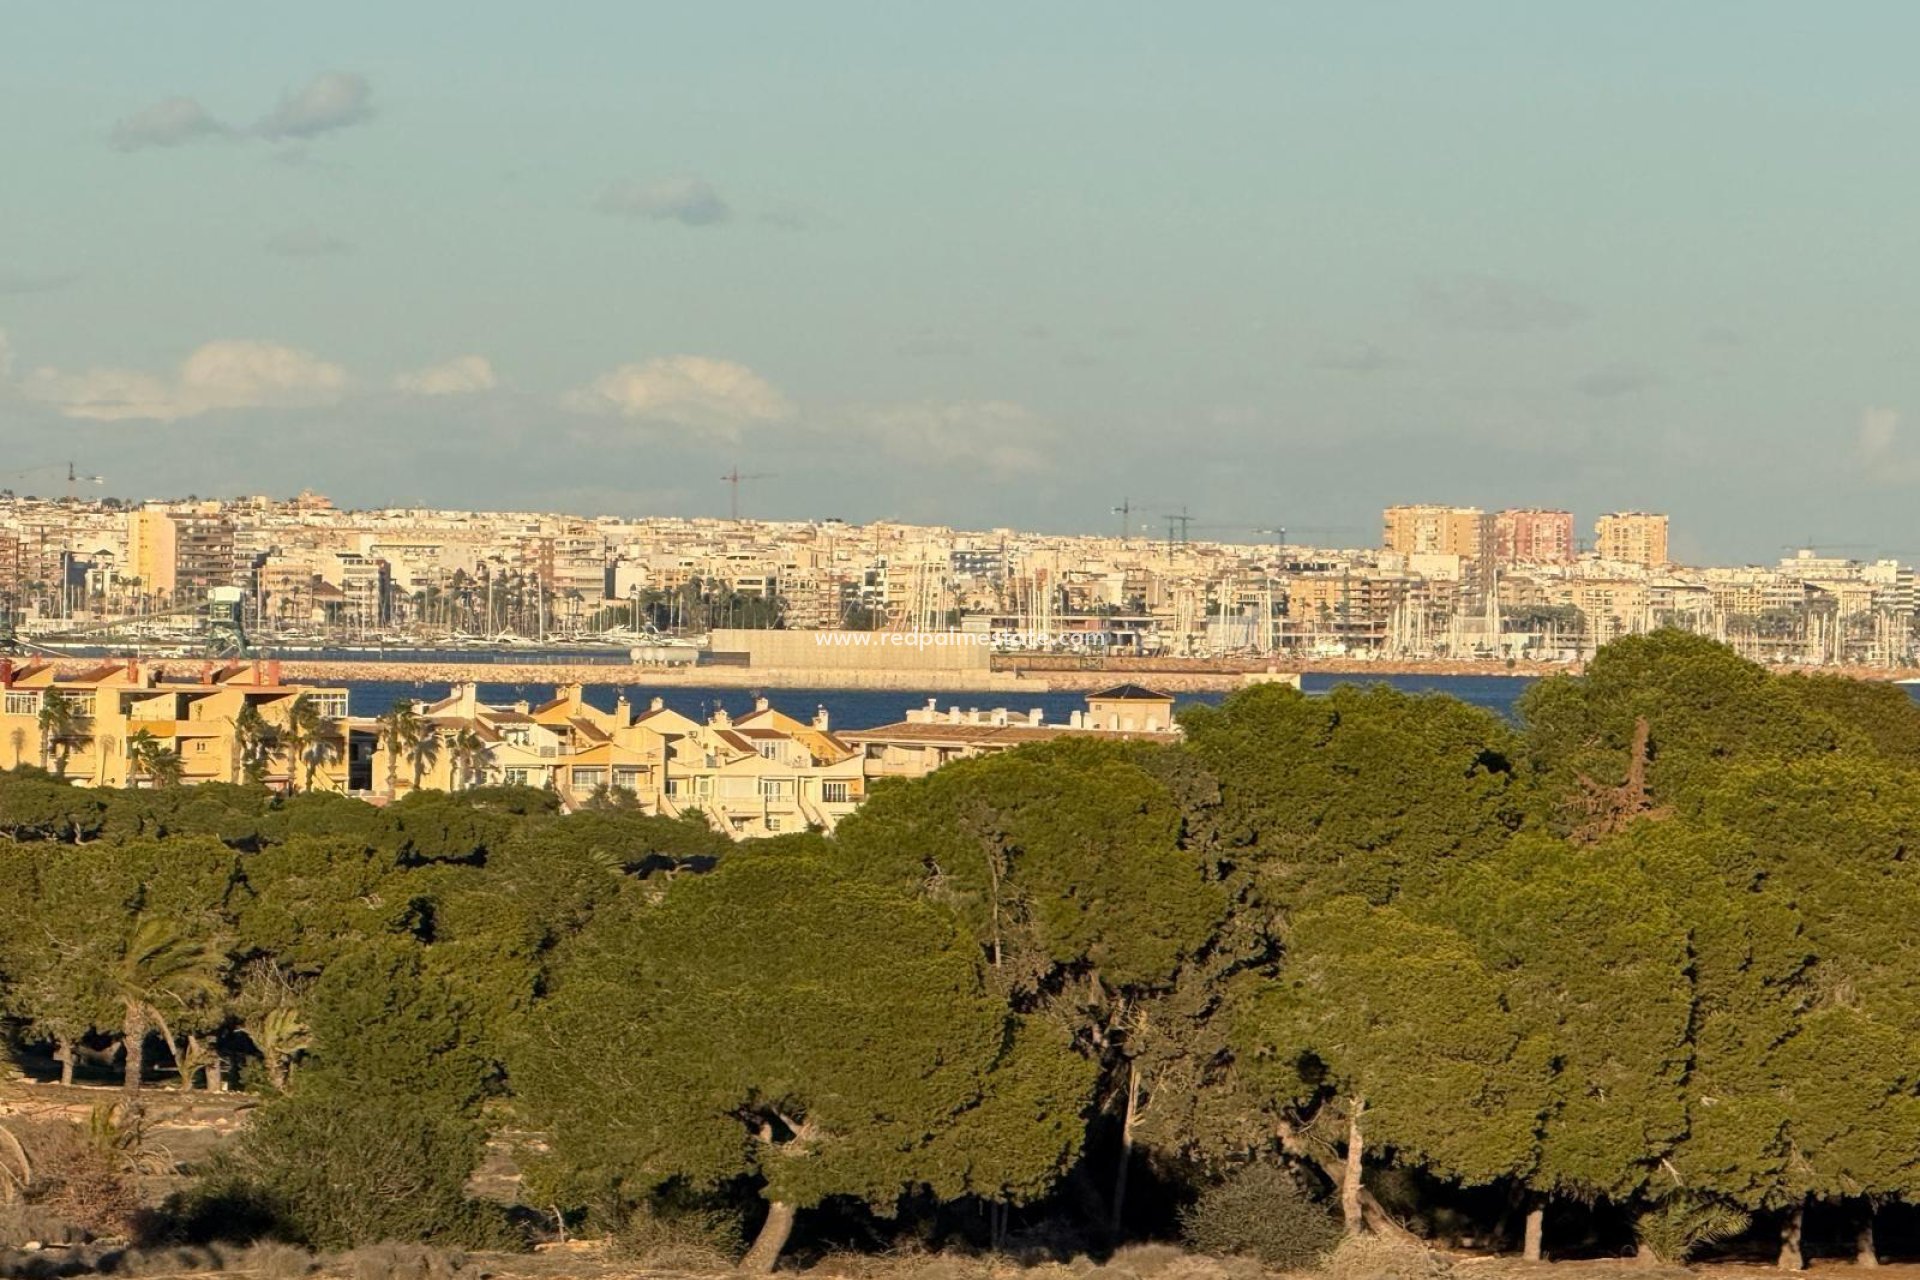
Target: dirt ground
[[185, 1127]]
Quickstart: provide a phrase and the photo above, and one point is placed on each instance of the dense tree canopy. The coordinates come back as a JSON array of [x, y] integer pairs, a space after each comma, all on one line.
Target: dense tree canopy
[[1642, 957]]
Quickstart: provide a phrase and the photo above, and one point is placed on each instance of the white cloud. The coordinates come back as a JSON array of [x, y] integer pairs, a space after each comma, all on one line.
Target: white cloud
[[462, 375], [1879, 427], [331, 100], [685, 199], [708, 395], [168, 123], [227, 374], [1004, 438]]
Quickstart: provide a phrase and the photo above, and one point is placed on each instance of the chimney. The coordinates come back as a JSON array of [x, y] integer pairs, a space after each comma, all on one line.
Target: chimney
[[6, 673], [820, 720], [721, 719], [760, 704], [521, 706], [622, 711], [1034, 717], [658, 704], [953, 715], [1078, 721], [933, 704], [273, 671], [999, 717]]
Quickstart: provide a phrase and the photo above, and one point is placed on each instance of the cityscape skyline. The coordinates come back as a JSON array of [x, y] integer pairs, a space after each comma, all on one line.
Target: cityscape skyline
[[1290, 265]]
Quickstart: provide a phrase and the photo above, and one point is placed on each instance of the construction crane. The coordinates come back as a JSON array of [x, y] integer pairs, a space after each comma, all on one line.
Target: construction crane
[[1124, 510], [732, 479], [1180, 521], [74, 478]]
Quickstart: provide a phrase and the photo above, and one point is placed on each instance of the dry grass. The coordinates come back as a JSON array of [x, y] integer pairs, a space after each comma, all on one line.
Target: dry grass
[[1379, 1258], [272, 1260], [404, 1262]]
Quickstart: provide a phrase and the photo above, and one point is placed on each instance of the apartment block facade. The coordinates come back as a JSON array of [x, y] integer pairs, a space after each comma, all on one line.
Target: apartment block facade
[[1632, 537], [1533, 536]]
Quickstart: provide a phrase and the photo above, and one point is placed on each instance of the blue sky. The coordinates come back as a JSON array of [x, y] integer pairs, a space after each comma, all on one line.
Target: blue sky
[[985, 264]]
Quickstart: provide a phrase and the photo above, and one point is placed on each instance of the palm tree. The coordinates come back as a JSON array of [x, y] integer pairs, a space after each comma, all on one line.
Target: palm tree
[[162, 966], [251, 733], [142, 746], [325, 745], [301, 737], [267, 1004], [469, 752], [400, 730], [60, 723], [424, 753], [281, 1036], [165, 767]]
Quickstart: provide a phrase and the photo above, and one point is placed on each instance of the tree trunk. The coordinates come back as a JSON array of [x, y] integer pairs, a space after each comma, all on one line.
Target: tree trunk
[[1865, 1254], [1351, 1211], [63, 1054], [1126, 1150], [133, 1039], [1533, 1247], [1791, 1257], [1372, 1211], [765, 1253]]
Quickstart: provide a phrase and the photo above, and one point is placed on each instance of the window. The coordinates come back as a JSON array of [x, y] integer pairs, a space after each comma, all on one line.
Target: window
[[836, 792], [773, 824], [332, 706], [519, 777], [627, 779], [23, 704], [776, 788], [676, 788], [518, 734], [589, 778], [769, 750]]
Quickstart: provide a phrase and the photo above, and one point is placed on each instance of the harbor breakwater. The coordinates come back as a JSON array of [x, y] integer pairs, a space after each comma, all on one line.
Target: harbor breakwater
[[1010, 674]]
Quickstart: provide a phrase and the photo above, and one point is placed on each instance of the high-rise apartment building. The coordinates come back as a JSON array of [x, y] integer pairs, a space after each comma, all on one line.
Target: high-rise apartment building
[[182, 553], [1467, 532], [1531, 535], [1632, 537]]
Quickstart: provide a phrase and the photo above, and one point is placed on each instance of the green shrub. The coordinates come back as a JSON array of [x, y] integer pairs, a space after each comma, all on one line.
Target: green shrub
[[334, 1171], [1259, 1211], [1682, 1224]]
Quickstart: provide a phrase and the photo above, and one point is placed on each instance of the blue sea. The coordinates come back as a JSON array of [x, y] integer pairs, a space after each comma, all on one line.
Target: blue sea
[[866, 708]]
